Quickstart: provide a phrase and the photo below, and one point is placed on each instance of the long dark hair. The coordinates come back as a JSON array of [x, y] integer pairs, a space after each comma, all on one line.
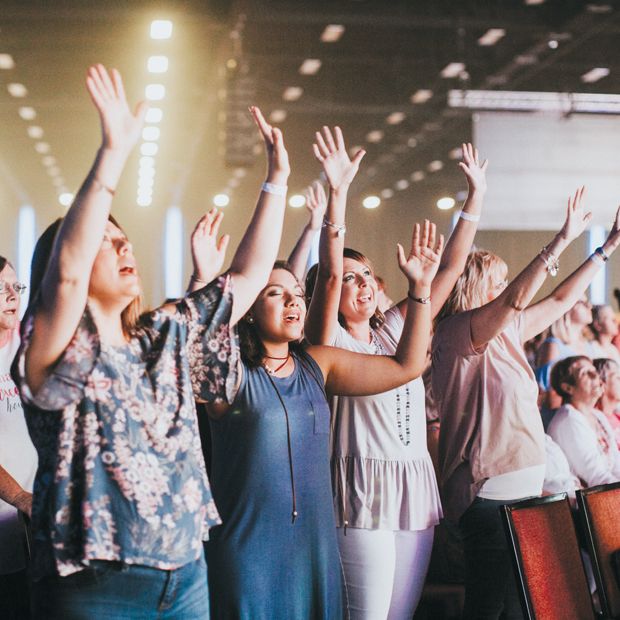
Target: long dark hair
[[377, 319], [252, 348], [130, 316]]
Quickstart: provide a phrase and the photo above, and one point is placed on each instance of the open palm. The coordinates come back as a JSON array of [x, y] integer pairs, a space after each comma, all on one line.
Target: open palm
[[208, 253], [339, 169], [422, 263]]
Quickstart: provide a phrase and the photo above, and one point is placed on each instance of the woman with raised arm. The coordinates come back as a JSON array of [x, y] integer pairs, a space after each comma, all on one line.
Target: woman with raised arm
[[492, 444], [316, 203], [385, 492], [122, 503], [276, 554]]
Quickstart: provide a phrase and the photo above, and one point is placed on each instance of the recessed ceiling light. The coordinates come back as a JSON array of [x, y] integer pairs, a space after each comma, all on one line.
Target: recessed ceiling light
[[150, 133], [149, 149], [53, 171], [6, 61], [221, 200], [240, 172], [17, 90], [371, 202], [157, 64], [296, 201], [332, 33], [435, 166], [161, 29], [36, 132], [452, 70], [155, 92], [421, 96], [401, 184], [49, 160], [553, 44], [234, 182], [144, 201], [147, 162], [58, 182], [412, 142], [310, 66], [27, 113], [445, 203], [277, 116], [292, 93], [526, 59], [491, 36], [375, 136], [417, 176], [387, 193], [154, 115], [456, 153], [395, 118], [534, 2], [595, 74], [65, 199], [42, 147]]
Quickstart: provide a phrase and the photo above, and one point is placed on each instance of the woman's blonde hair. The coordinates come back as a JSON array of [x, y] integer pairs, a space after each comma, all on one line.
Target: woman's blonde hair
[[472, 288]]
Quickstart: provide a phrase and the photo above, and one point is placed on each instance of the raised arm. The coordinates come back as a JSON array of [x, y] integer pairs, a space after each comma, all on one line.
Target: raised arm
[[540, 315], [340, 170], [258, 250], [462, 237], [316, 203], [208, 253], [491, 319], [64, 289], [358, 374]]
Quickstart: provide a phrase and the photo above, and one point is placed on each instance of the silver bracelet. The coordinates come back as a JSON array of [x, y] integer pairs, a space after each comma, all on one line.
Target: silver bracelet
[[420, 300], [276, 190], [551, 261], [468, 217], [339, 228]]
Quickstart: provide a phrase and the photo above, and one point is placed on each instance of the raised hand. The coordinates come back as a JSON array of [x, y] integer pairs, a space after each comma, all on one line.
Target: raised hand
[[277, 156], [207, 252], [474, 172], [339, 168], [577, 218], [316, 204], [424, 257], [120, 127], [613, 238]]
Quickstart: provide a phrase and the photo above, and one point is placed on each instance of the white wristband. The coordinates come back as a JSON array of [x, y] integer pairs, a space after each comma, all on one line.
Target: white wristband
[[468, 217], [276, 190]]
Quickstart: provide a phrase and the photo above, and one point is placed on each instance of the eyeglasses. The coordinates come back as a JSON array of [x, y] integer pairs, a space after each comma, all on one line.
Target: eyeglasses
[[18, 287]]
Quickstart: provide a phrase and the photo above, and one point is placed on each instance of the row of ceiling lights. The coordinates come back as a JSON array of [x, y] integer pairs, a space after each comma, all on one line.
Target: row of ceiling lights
[[28, 114], [161, 29]]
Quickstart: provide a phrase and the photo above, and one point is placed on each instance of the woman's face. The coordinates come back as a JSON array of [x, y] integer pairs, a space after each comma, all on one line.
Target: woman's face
[[606, 322], [280, 309], [581, 312], [588, 387], [612, 383], [9, 299], [114, 278], [358, 297]]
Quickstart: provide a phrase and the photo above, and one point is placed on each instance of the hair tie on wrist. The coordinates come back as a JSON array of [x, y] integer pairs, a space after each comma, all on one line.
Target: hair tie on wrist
[[468, 217], [276, 190], [101, 186], [601, 252]]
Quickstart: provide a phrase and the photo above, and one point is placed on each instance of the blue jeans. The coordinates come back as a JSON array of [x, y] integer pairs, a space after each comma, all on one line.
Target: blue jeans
[[117, 591]]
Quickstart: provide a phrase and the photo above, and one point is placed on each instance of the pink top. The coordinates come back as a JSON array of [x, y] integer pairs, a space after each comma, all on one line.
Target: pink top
[[487, 403]]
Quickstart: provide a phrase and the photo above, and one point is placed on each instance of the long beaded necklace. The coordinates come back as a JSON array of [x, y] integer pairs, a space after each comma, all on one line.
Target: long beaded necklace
[[406, 437]]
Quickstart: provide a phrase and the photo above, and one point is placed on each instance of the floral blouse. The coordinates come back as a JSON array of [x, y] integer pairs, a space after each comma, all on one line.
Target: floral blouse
[[121, 473]]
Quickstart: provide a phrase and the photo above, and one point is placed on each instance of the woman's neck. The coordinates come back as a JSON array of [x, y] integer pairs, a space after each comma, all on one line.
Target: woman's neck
[[5, 337], [359, 331], [109, 325], [609, 405], [584, 406]]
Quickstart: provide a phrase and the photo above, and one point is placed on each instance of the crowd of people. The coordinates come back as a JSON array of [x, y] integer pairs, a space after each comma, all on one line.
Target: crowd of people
[[322, 497]]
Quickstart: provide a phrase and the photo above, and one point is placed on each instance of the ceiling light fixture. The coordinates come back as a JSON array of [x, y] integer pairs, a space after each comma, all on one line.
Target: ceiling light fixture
[[371, 202], [452, 70], [445, 203], [155, 92], [6, 61], [292, 93], [310, 66], [296, 201], [157, 64], [421, 96], [27, 113], [395, 118], [36, 132], [375, 136], [435, 166], [161, 29], [16, 89], [491, 36], [332, 33], [154, 115], [277, 116], [221, 200], [594, 75]]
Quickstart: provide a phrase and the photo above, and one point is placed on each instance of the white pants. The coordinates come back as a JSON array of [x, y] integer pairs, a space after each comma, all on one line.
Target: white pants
[[384, 571]]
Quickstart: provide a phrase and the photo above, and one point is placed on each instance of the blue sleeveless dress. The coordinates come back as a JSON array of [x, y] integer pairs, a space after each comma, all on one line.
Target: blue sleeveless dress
[[261, 564]]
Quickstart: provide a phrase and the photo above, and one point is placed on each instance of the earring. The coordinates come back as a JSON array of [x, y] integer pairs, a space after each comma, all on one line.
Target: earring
[[250, 319]]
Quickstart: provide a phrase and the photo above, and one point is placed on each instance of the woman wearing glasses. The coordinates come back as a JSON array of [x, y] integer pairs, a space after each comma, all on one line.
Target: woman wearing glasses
[[18, 458]]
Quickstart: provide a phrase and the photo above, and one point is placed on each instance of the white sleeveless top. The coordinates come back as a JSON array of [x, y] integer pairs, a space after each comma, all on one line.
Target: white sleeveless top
[[382, 474]]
